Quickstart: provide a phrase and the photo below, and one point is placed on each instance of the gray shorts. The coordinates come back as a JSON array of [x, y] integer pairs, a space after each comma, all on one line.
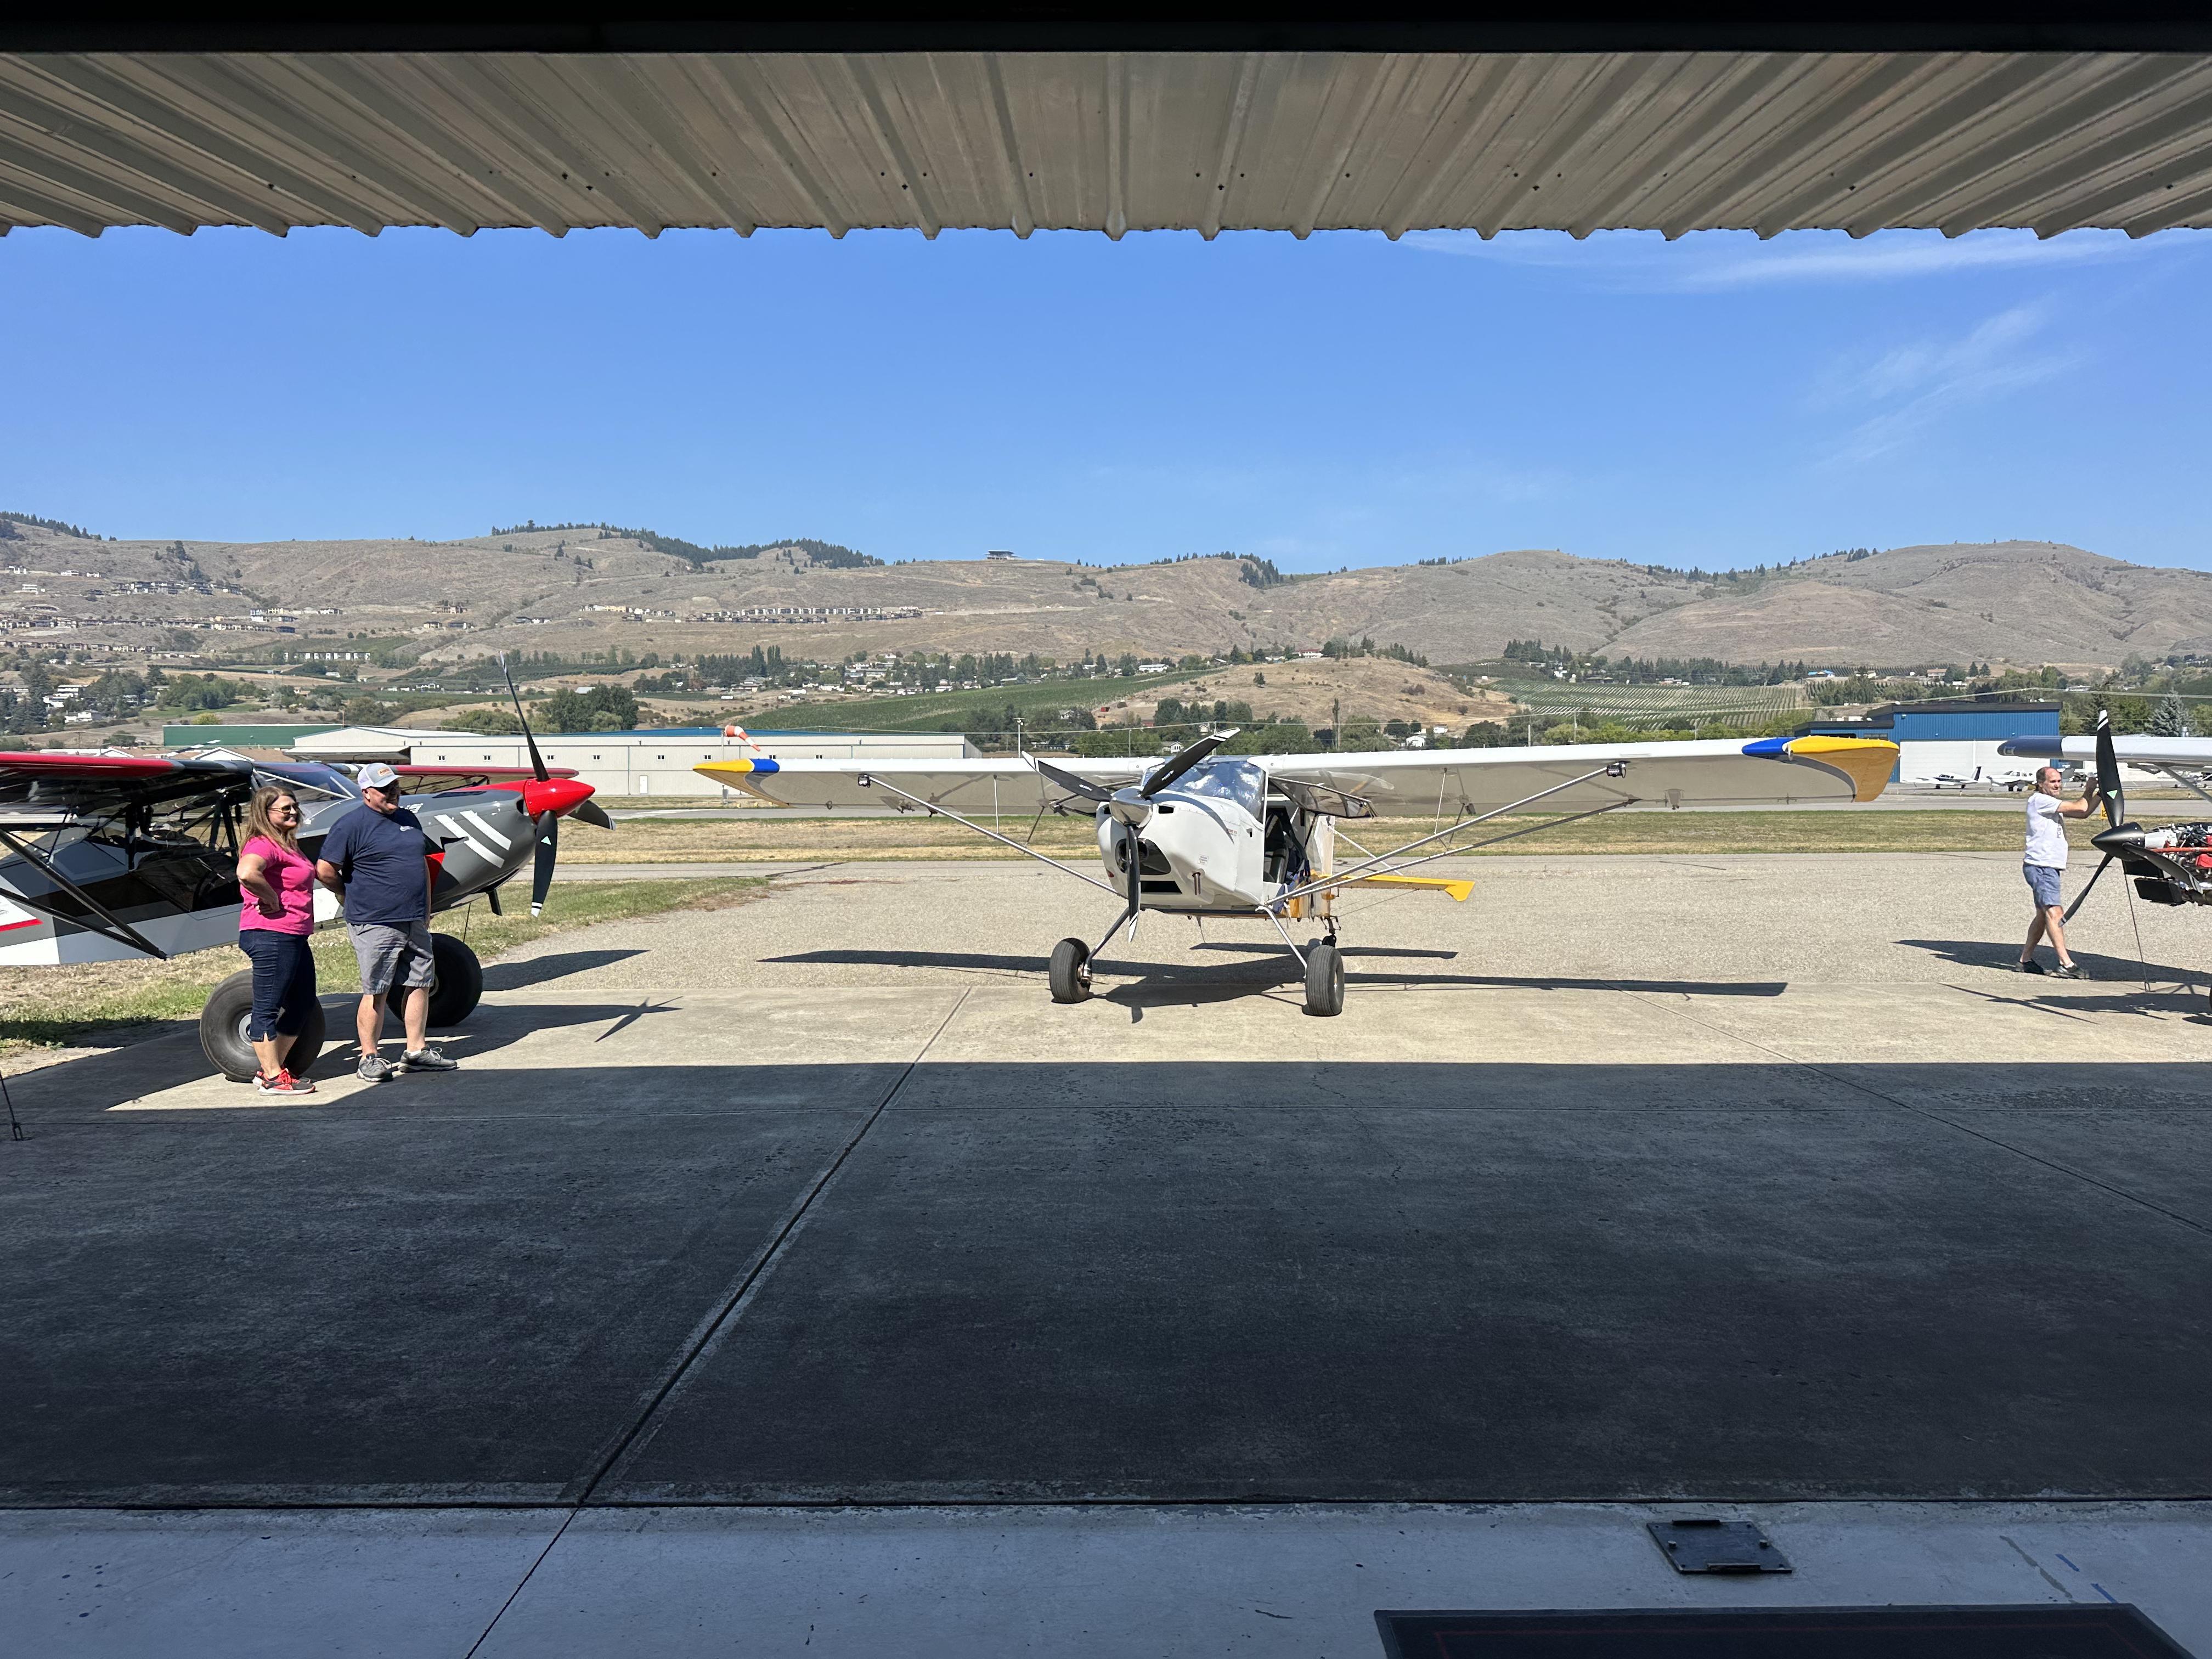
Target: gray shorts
[[2043, 882], [384, 950]]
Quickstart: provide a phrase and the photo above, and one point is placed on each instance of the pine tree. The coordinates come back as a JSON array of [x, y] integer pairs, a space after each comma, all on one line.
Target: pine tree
[[2171, 721]]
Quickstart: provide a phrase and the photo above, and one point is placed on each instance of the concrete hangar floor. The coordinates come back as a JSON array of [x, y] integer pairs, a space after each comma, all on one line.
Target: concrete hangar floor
[[798, 1278]]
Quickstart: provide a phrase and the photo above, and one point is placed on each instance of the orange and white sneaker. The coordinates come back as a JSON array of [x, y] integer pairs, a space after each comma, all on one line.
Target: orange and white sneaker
[[282, 1084]]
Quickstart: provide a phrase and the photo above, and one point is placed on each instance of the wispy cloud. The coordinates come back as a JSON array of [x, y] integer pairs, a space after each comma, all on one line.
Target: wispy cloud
[[1721, 260], [1914, 385]]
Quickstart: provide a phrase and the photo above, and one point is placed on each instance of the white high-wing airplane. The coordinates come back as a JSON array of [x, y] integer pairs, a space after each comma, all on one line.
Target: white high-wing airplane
[[1254, 838]]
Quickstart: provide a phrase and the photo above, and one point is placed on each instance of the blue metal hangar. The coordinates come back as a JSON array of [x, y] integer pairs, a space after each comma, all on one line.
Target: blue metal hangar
[[1953, 738]]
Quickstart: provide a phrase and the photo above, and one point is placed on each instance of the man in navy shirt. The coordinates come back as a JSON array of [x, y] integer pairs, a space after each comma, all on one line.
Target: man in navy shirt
[[376, 860]]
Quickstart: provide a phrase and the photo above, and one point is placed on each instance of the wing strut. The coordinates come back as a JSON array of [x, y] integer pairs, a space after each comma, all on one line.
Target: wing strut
[[1611, 769], [869, 781], [109, 926]]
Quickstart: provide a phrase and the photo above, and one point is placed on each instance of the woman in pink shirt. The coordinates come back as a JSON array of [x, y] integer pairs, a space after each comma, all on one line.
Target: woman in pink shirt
[[277, 890]]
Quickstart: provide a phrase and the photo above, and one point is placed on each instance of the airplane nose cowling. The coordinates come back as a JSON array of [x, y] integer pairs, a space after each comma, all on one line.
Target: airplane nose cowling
[[554, 795]]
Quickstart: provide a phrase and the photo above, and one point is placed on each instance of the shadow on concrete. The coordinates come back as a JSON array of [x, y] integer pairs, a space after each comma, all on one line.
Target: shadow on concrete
[[1982, 953], [1269, 970], [540, 970], [1193, 1281], [80, 1088]]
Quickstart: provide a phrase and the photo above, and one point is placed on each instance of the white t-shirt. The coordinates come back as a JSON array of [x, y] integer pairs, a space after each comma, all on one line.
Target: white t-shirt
[[2046, 832]]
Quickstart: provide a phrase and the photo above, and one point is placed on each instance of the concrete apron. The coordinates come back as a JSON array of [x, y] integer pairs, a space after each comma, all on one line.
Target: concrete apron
[[733, 1313], [1112, 1583]]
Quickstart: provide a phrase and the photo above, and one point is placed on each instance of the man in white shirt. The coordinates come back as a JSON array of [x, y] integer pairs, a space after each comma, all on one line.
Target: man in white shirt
[[2044, 859]]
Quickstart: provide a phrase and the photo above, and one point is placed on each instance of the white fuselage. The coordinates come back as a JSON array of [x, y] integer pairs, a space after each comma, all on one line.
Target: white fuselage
[[1215, 839]]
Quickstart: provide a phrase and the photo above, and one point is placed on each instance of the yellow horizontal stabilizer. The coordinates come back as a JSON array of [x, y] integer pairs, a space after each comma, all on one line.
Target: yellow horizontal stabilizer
[[1459, 890]]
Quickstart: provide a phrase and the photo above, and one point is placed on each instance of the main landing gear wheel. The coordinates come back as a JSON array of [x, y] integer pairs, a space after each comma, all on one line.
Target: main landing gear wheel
[[222, 1032], [1070, 972], [458, 983], [1324, 979]]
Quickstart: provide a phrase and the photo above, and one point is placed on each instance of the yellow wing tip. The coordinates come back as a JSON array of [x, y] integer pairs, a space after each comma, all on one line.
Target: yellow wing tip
[[1868, 762]]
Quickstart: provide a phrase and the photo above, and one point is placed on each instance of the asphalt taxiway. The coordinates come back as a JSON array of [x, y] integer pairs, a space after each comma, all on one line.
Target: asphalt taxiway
[[801, 1271]]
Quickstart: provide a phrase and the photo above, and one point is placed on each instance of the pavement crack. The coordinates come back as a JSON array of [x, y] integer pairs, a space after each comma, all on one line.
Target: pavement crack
[[623, 1447]]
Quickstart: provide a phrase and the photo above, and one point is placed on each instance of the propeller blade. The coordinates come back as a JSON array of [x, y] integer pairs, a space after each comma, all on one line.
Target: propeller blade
[[1061, 779], [2108, 773], [592, 813], [536, 760], [1183, 762], [2083, 894], [548, 849]]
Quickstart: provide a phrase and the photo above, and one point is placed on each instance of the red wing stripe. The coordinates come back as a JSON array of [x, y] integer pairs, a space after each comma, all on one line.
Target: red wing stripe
[[110, 765]]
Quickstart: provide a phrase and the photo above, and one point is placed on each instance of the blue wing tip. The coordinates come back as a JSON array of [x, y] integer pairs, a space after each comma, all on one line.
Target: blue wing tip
[[1773, 748]]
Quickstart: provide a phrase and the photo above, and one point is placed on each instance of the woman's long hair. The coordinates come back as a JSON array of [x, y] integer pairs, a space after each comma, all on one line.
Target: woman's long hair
[[258, 821]]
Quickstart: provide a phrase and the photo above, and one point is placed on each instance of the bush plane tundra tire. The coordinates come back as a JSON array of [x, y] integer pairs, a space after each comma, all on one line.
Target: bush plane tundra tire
[[1070, 972], [222, 1032], [1324, 979], [458, 984]]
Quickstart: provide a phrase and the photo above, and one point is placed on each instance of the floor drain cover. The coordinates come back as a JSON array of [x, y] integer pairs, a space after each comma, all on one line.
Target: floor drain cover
[[1716, 1546], [2041, 1632]]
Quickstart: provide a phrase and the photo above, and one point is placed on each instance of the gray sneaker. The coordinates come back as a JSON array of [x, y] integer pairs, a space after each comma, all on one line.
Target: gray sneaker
[[374, 1068], [428, 1059]]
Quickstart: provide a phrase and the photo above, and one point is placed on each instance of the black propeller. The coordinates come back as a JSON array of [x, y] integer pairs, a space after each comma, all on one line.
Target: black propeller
[[536, 760], [1059, 778], [1181, 763], [549, 824], [2119, 836]]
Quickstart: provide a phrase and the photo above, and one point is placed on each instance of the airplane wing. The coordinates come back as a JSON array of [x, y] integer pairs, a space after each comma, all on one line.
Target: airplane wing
[[966, 787], [1715, 772], [42, 786], [2129, 751]]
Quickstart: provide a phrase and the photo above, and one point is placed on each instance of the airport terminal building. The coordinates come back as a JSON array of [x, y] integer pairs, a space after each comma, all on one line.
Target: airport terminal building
[[1950, 738]]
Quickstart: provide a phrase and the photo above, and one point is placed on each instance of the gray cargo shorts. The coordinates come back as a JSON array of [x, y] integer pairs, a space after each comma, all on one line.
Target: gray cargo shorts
[[382, 949]]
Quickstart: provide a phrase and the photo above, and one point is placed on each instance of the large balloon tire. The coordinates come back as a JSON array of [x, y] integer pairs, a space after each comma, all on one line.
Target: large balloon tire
[[458, 986], [1069, 971], [222, 1032], [1324, 980]]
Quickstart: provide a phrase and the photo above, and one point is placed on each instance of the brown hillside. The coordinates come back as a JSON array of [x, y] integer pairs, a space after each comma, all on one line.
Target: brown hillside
[[2015, 602]]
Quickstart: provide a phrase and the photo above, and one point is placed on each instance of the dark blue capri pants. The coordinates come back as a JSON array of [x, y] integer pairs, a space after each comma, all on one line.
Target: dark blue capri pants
[[283, 981]]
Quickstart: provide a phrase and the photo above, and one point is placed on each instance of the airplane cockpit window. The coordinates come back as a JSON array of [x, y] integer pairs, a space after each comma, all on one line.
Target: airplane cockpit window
[[317, 779], [1241, 781]]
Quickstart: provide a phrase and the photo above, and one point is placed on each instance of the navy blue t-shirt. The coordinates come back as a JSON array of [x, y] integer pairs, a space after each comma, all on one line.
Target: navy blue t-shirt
[[380, 858]]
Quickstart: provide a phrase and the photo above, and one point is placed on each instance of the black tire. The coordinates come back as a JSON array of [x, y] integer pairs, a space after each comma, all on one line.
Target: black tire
[[1069, 974], [222, 1032], [458, 986], [1324, 979]]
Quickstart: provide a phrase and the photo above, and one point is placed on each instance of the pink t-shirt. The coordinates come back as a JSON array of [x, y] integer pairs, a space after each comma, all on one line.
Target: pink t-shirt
[[293, 875]]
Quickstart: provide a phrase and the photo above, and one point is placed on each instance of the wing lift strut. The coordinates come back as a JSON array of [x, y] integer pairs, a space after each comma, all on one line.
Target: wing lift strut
[[1381, 863], [868, 781], [98, 918]]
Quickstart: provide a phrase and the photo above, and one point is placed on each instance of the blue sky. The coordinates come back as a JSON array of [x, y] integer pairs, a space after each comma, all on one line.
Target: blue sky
[[1343, 400]]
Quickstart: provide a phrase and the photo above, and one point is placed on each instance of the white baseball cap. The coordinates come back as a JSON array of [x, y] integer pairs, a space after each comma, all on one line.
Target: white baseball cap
[[377, 775]]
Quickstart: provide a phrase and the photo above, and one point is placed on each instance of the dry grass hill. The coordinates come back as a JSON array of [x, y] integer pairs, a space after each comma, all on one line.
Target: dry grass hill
[[2021, 603]]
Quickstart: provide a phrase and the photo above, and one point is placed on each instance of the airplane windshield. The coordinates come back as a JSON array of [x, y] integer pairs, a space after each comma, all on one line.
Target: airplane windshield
[[311, 776], [1237, 780]]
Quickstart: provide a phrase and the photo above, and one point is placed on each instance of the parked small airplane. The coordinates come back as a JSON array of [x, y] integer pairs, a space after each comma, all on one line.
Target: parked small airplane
[[113, 855], [1253, 837]]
